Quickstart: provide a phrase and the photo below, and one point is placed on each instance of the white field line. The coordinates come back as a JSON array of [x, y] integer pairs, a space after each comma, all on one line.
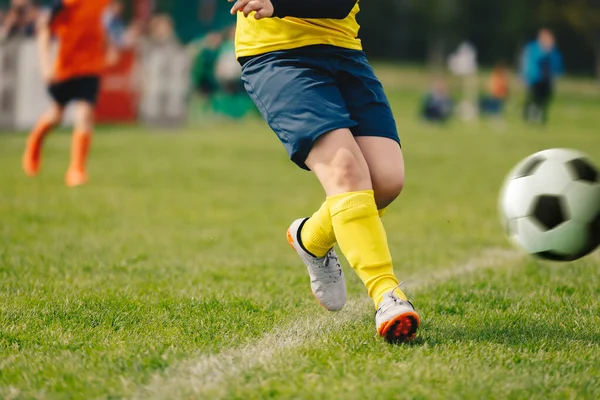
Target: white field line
[[197, 376]]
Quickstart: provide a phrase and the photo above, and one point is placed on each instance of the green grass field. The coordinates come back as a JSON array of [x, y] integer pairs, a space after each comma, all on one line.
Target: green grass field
[[168, 276]]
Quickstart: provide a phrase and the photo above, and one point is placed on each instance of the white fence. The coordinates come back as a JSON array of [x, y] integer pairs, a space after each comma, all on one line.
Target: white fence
[[164, 85], [23, 94]]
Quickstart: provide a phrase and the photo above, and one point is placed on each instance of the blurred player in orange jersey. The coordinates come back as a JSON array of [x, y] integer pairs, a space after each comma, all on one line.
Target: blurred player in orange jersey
[[498, 90], [75, 77]]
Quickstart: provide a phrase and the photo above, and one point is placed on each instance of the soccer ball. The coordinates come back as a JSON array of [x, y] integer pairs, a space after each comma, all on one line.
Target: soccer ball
[[550, 205]]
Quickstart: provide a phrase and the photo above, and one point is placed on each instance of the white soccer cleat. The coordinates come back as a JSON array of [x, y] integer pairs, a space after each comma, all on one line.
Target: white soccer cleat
[[326, 276], [396, 319]]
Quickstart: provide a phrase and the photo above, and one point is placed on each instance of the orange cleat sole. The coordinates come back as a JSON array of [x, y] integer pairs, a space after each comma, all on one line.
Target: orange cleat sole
[[402, 328], [290, 240]]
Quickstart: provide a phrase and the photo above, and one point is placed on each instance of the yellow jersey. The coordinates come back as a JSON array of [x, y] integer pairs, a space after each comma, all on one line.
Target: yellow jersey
[[254, 37]]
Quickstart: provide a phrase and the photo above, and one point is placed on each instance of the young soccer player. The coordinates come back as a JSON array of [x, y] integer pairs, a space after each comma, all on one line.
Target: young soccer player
[[75, 77], [304, 68], [541, 66]]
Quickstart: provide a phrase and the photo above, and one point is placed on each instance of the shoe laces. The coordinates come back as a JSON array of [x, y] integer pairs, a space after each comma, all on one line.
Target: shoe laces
[[395, 299], [327, 260], [393, 294]]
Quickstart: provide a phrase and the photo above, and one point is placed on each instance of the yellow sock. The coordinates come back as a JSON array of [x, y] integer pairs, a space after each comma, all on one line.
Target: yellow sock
[[317, 233], [362, 239]]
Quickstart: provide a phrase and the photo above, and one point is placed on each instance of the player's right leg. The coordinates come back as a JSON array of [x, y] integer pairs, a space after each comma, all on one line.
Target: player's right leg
[[529, 108], [84, 92], [32, 156], [81, 142], [300, 101], [386, 167]]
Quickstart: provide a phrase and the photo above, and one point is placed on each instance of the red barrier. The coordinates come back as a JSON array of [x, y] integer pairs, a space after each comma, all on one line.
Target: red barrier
[[118, 100]]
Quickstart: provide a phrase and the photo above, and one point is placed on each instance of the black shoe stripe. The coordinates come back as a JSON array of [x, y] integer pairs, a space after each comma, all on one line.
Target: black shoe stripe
[[299, 238]]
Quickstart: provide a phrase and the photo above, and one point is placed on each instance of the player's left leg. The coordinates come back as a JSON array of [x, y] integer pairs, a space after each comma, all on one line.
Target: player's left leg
[[386, 165], [80, 146], [529, 105], [386, 168], [377, 137]]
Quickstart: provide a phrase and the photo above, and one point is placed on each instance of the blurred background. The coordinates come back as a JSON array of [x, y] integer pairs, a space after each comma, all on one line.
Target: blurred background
[[172, 61]]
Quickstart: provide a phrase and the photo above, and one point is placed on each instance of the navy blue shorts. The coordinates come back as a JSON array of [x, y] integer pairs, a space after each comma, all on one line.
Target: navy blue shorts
[[306, 92], [83, 88]]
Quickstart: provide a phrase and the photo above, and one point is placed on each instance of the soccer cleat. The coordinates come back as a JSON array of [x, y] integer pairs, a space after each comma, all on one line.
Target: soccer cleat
[[396, 319], [326, 276], [75, 178]]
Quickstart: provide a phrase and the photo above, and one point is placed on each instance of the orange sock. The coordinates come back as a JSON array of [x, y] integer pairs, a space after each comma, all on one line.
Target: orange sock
[[80, 149], [33, 149]]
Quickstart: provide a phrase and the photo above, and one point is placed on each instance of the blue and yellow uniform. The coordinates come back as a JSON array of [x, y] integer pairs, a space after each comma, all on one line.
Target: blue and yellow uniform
[[306, 72], [255, 37], [308, 75]]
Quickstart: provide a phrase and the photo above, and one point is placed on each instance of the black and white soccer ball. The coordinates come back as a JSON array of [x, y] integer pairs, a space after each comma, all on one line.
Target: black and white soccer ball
[[550, 205]]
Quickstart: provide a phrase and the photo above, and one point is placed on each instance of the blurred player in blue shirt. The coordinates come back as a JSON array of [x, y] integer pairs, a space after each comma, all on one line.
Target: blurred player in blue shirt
[[541, 65]]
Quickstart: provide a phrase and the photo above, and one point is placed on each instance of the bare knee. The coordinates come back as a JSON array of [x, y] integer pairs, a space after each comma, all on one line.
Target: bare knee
[[54, 115], [349, 172], [387, 188], [84, 117], [339, 164]]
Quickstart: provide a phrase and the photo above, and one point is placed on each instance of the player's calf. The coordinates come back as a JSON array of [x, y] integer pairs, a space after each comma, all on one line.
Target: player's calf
[[32, 156], [81, 142], [386, 166], [386, 193], [80, 147]]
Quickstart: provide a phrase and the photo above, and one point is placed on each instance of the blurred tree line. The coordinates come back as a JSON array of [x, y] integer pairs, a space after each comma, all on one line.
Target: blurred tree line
[[428, 30]]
